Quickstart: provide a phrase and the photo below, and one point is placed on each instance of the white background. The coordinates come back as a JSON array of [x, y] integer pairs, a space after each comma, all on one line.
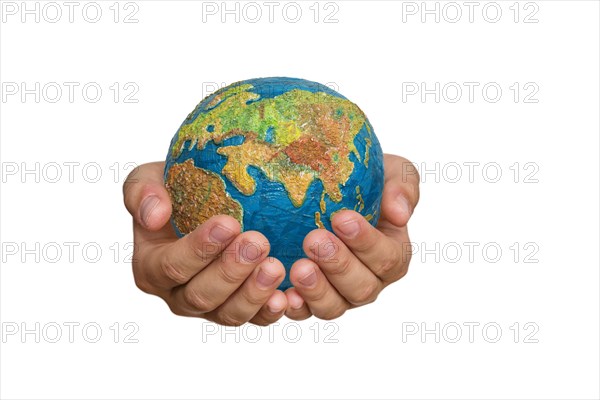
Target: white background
[[372, 55]]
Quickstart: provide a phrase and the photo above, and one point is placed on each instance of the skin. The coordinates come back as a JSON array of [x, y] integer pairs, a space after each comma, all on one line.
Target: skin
[[219, 273]]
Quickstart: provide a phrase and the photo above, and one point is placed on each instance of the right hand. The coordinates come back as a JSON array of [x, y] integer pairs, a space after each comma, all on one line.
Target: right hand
[[214, 272]]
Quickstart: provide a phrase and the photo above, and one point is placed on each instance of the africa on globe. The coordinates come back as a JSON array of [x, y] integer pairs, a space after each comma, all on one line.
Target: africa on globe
[[280, 155]]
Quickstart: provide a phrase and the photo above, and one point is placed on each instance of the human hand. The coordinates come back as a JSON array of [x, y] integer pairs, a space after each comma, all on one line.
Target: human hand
[[350, 268], [214, 272]]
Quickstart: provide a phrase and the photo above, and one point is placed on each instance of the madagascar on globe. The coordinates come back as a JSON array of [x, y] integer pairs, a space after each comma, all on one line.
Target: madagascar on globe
[[280, 155]]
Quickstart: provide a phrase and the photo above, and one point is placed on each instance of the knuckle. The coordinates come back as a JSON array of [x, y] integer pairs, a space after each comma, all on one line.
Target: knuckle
[[407, 255], [265, 317], [230, 320], [316, 296], [130, 180], [299, 316], [367, 294], [260, 322], [400, 269], [364, 245], [417, 192], [206, 251], [141, 280], [131, 176], [173, 273], [410, 170], [340, 266], [196, 301], [177, 310], [387, 265], [415, 171], [253, 300], [229, 275], [142, 284], [390, 261], [332, 313], [403, 272]]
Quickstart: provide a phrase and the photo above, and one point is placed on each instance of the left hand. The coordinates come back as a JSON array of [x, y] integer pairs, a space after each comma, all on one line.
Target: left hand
[[350, 269]]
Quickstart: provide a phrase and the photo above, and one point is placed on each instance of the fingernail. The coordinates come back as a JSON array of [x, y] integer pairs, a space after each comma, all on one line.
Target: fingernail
[[350, 228], [403, 204], [310, 279], [220, 234], [274, 309], [265, 280], [147, 208], [323, 249], [249, 252]]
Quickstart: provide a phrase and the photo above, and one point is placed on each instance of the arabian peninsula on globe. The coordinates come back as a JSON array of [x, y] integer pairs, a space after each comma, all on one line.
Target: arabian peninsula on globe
[[280, 155]]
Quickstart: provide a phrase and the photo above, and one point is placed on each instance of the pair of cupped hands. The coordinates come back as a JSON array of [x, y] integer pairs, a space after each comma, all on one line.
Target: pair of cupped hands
[[218, 273]]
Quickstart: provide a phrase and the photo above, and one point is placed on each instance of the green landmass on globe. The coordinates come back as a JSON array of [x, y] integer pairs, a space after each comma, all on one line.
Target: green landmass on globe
[[280, 155]]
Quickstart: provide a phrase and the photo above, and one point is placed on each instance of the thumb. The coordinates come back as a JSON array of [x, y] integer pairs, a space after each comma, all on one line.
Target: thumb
[[145, 196], [400, 191]]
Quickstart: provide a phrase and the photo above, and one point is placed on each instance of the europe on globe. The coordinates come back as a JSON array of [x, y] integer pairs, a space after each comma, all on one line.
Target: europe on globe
[[280, 155]]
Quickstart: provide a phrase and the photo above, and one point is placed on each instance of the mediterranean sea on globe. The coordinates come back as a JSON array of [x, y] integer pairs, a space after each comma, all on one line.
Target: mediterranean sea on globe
[[281, 155]]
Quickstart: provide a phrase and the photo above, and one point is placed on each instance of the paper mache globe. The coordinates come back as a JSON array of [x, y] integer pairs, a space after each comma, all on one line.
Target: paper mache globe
[[280, 155]]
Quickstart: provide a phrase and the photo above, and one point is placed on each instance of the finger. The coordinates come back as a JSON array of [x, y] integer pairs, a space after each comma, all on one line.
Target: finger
[[214, 284], [322, 299], [347, 273], [401, 190], [145, 196], [297, 307], [175, 263], [246, 302], [386, 255], [272, 311]]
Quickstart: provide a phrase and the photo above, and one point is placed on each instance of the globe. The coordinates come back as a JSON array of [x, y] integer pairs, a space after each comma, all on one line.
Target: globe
[[280, 155]]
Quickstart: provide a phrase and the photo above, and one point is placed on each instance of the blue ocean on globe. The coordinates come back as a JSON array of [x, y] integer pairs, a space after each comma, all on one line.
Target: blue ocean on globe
[[281, 155]]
